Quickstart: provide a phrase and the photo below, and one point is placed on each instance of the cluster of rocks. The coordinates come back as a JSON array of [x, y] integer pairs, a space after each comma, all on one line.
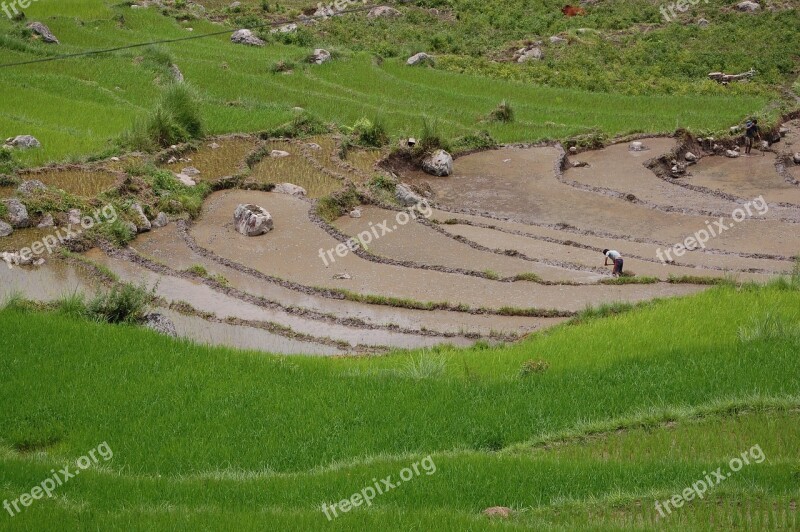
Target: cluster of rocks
[[186, 176], [531, 52], [252, 220], [748, 6], [319, 56], [721, 77], [142, 224]]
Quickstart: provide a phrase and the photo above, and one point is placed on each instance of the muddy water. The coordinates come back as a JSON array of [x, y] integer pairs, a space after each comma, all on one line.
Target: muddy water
[[45, 283], [623, 171], [294, 169], [204, 332], [424, 245], [691, 260], [22, 238], [83, 183], [292, 251], [586, 257], [520, 183], [166, 242], [215, 163], [746, 177], [204, 298]]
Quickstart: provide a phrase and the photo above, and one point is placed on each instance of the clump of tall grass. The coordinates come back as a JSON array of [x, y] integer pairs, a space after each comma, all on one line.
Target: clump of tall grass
[[504, 112], [480, 140], [369, 133], [175, 119], [7, 165], [424, 367], [770, 326], [338, 204], [124, 303]]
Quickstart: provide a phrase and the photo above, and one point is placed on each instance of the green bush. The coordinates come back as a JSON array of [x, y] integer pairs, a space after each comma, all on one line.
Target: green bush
[[175, 119], [502, 113], [370, 134], [303, 125], [125, 303]]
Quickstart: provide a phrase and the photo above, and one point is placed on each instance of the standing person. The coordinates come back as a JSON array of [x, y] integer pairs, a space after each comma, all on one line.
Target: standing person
[[751, 133], [616, 260]]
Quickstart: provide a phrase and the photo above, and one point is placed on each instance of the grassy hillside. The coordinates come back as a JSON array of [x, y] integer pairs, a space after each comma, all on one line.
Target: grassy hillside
[[77, 107], [216, 436]]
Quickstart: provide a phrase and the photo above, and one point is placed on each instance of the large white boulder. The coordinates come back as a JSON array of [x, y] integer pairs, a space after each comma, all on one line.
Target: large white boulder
[[439, 163], [419, 59], [252, 220], [245, 36]]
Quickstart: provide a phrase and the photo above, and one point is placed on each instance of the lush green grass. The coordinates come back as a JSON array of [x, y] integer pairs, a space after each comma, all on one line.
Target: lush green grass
[[226, 435], [78, 106]]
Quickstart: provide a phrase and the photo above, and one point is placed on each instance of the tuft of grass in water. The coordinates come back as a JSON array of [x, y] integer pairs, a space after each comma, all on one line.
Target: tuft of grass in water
[[700, 279], [481, 140], [629, 279], [338, 204], [198, 269], [124, 303], [491, 274]]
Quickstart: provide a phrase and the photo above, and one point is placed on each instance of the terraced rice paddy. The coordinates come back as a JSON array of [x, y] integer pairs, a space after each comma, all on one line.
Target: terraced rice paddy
[[84, 183], [512, 245]]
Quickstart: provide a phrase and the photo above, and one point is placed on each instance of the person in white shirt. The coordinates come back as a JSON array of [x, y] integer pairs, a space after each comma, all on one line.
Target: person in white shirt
[[616, 260]]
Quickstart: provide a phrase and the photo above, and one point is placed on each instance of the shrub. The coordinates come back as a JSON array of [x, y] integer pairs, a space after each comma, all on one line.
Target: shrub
[[369, 134], [424, 367], [7, 162], [480, 140], [124, 303], [282, 66], [338, 204], [175, 119]]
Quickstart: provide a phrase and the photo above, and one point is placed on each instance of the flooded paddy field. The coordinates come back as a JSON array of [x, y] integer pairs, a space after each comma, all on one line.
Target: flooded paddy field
[[511, 245]]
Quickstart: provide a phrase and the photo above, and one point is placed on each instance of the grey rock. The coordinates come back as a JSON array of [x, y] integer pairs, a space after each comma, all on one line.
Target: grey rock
[[691, 157], [252, 220], [143, 225], [406, 196], [731, 153], [637, 146], [43, 31], [796, 158], [191, 171], [74, 216], [383, 12], [290, 189], [419, 59], [748, 6], [46, 221], [555, 39], [160, 323], [702, 22], [29, 187], [160, 221], [5, 229], [439, 163], [245, 36], [530, 53], [23, 142], [17, 213], [186, 180], [320, 56], [286, 28], [176, 73], [355, 213], [214, 146], [279, 153], [573, 149]]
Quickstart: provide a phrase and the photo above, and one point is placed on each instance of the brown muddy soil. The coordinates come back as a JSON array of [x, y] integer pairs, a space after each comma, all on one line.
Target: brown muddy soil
[[747, 177], [293, 251], [167, 242], [521, 184]]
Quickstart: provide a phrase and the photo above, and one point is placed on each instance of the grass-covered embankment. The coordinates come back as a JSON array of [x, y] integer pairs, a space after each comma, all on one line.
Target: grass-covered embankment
[[216, 436]]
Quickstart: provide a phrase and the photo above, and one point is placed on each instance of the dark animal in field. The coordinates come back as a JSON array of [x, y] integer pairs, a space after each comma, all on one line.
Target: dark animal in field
[[572, 11]]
